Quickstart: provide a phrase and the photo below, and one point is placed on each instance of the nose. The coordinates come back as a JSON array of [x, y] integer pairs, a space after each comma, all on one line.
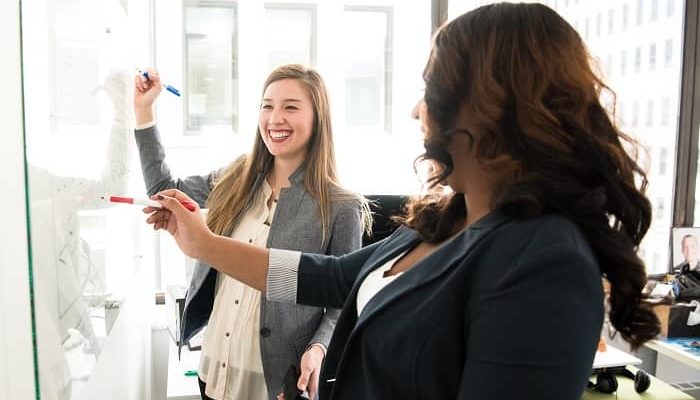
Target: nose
[[276, 116], [415, 112]]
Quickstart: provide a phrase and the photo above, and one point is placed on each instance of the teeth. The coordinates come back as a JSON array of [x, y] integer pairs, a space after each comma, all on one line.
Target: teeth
[[279, 134]]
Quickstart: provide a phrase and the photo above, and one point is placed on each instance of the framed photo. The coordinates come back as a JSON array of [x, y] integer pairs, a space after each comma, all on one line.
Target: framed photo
[[685, 252]]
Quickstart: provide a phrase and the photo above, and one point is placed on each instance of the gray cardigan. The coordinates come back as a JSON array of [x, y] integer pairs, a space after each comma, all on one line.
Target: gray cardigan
[[286, 329]]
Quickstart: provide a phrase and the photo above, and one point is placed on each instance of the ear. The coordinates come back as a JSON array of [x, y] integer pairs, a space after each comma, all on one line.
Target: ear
[[461, 137]]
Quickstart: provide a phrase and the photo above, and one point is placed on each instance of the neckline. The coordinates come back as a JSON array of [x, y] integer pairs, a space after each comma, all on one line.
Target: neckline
[[390, 264]]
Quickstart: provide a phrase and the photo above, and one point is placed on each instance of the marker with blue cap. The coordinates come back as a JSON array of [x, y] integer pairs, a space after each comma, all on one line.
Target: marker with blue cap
[[169, 88]]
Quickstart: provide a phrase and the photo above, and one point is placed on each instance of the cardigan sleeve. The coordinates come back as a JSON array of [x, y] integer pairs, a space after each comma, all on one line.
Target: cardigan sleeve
[[157, 175]]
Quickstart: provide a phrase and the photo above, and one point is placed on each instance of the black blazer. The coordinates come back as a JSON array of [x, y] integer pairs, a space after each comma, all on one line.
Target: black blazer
[[507, 309]]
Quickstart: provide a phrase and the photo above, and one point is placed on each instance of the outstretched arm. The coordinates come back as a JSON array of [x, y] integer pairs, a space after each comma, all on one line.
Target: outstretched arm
[[246, 263], [315, 280]]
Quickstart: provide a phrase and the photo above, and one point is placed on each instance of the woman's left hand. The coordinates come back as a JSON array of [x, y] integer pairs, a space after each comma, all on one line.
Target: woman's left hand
[[310, 370]]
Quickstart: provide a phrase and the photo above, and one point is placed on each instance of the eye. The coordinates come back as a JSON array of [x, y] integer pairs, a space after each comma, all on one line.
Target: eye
[[266, 107], [293, 108]]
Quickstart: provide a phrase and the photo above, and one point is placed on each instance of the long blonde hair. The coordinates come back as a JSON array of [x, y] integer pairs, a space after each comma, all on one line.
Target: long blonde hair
[[240, 183]]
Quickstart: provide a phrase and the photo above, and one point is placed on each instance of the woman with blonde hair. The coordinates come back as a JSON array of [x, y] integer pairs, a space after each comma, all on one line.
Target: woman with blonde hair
[[283, 194]]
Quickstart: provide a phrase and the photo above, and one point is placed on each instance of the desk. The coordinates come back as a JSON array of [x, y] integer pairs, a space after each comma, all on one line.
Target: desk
[[181, 387], [673, 349], [658, 390], [613, 357]]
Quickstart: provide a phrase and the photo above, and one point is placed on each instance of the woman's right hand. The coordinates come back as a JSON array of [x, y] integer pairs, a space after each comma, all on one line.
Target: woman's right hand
[[187, 227], [146, 92]]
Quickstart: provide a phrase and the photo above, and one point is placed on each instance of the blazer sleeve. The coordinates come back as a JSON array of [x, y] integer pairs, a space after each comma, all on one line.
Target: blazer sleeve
[[345, 237], [326, 281], [315, 279], [534, 336], [157, 175]]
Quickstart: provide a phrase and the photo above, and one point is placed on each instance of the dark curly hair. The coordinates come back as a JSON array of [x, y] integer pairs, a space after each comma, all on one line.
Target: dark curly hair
[[523, 76]]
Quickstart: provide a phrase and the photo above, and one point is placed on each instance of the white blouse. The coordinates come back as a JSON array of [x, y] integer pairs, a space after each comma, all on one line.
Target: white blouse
[[375, 282], [230, 363]]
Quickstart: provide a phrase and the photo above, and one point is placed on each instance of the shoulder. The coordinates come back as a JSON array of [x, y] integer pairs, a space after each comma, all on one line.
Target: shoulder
[[539, 252], [344, 201], [549, 230], [544, 240], [346, 215]]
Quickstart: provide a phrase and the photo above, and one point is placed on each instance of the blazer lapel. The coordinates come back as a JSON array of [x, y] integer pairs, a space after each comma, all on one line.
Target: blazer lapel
[[430, 268], [400, 240], [293, 196]]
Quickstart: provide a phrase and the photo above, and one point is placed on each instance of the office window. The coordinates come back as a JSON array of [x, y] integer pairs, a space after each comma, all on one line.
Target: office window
[[656, 257], [637, 59], [650, 113], [660, 207], [621, 112], [625, 15], [663, 161], [623, 62], [652, 57], [609, 65], [654, 10], [376, 45], [598, 24], [668, 53], [670, 7], [367, 59], [291, 33], [211, 67], [611, 20], [640, 12], [665, 110], [585, 29], [635, 113]]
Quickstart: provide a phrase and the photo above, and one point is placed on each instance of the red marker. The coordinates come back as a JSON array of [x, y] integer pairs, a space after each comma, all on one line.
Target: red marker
[[150, 203]]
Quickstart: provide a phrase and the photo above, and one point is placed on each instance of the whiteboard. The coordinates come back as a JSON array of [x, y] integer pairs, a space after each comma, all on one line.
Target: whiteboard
[[89, 259]]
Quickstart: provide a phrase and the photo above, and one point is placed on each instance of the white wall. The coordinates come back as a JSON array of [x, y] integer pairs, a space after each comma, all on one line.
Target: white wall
[[16, 361]]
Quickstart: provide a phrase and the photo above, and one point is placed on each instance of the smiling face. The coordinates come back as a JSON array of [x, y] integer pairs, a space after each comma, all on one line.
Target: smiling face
[[286, 119]]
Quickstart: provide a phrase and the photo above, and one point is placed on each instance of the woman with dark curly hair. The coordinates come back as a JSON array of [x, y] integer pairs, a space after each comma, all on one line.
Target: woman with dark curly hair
[[492, 290]]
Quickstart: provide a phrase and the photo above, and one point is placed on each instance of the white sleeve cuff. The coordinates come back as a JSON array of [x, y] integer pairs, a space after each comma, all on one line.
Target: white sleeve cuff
[[145, 125], [282, 275]]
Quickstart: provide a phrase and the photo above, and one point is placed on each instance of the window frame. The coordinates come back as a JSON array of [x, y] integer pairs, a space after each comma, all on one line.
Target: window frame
[[388, 59], [689, 121], [187, 130], [312, 7]]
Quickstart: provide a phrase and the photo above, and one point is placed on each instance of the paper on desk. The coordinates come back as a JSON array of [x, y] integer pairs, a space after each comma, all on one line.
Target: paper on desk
[[661, 290]]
